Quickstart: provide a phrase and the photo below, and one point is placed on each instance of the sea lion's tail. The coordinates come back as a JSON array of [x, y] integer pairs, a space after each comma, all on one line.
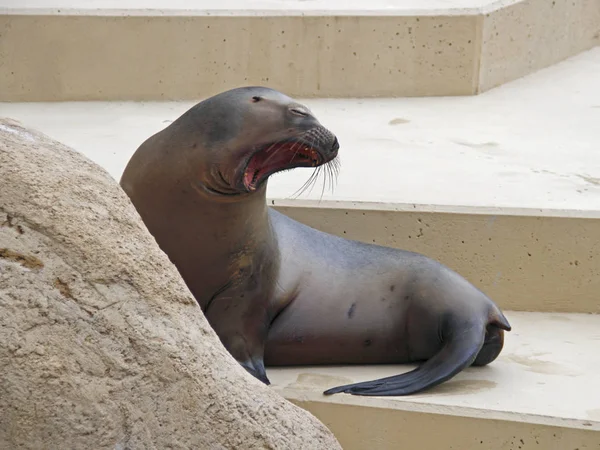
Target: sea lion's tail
[[463, 343]]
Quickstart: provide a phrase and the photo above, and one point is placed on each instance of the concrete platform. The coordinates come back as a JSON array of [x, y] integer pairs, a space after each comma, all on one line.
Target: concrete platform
[[541, 393], [60, 50], [503, 187]]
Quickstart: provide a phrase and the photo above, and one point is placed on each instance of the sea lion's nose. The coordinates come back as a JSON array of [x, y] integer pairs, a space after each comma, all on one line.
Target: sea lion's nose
[[336, 145]]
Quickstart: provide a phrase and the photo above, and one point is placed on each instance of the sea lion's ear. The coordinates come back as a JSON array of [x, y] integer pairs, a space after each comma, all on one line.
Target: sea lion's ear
[[256, 98]]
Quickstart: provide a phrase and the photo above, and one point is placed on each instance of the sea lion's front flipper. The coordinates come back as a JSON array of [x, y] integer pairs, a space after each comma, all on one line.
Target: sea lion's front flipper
[[462, 343], [256, 368]]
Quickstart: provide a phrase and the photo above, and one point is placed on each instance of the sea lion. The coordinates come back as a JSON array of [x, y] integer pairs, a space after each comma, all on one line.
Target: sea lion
[[277, 291]]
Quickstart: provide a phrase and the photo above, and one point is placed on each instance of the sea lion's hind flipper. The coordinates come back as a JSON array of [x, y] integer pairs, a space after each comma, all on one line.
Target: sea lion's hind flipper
[[458, 353]]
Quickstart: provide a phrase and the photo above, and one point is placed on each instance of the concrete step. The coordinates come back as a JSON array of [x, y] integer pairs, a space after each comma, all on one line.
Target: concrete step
[[543, 392], [503, 187], [61, 50]]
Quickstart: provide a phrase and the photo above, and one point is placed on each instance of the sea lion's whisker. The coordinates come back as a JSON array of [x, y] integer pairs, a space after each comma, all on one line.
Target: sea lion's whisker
[[331, 176], [304, 186], [296, 152], [300, 136], [323, 188], [274, 153], [315, 176], [279, 147], [314, 183], [335, 168], [331, 172], [307, 183]]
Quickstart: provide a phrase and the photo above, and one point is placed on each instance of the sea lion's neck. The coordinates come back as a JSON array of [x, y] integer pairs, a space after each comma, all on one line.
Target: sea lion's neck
[[213, 240], [224, 239], [233, 221]]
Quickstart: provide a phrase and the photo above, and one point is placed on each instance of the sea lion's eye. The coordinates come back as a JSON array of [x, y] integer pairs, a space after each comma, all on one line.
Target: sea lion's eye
[[256, 98], [299, 112]]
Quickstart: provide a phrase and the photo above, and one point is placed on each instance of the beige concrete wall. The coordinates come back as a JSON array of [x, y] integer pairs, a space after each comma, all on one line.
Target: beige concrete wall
[[525, 263], [58, 57], [533, 34], [362, 428], [55, 58]]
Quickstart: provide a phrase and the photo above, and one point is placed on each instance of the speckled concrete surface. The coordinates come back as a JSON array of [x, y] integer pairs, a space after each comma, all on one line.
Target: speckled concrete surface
[[69, 50], [546, 374], [525, 36], [529, 144], [179, 57], [541, 393]]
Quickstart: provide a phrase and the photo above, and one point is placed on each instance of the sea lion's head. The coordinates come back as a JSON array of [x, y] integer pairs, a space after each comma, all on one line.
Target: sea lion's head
[[242, 136]]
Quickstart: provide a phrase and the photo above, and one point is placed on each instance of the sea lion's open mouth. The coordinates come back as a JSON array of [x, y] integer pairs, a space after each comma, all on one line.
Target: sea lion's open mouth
[[277, 157]]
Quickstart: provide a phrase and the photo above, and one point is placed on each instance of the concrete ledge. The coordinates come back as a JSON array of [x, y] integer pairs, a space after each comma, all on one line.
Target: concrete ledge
[[61, 51], [539, 394], [362, 428]]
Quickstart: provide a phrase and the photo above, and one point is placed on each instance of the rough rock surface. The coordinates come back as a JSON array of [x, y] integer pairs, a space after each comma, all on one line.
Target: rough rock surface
[[101, 343]]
